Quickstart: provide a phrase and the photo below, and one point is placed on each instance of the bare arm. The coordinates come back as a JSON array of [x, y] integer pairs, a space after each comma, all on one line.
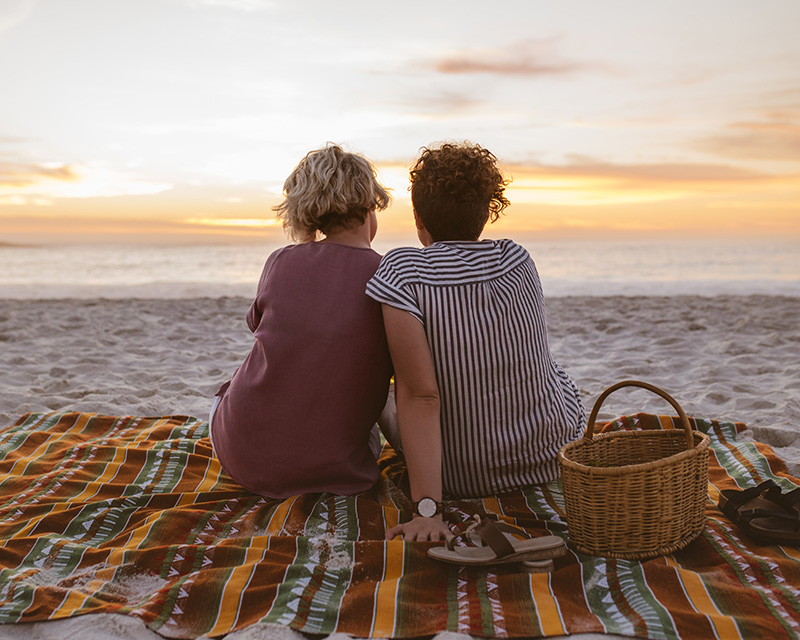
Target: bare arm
[[417, 418]]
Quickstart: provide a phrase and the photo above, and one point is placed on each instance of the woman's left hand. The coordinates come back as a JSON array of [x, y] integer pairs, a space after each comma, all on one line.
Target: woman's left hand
[[421, 529]]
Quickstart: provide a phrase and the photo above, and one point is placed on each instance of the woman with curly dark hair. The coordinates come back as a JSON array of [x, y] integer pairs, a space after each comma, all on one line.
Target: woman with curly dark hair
[[482, 407]]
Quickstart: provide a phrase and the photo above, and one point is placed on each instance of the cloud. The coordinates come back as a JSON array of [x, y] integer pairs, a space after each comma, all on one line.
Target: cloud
[[234, 222], [37, 183], [438, 104], [529, 57], [650, 173], [585, 181], [21, 176], [775, 139]]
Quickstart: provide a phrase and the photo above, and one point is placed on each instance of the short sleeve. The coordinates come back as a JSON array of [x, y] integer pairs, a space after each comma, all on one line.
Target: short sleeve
[[255, 311], [392, 284]]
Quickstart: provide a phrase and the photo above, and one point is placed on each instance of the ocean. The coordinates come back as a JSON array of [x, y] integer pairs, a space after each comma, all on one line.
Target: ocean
[[567, 268]]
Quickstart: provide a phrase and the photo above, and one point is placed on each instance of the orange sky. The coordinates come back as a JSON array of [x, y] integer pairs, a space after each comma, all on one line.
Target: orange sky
[[176, 121], [569, 201]]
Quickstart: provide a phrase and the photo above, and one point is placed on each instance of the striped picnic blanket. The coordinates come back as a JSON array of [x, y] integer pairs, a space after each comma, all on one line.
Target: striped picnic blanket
[[131, 515]]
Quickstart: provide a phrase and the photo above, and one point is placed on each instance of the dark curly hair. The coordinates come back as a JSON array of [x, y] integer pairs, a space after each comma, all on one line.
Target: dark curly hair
[[455, 189]]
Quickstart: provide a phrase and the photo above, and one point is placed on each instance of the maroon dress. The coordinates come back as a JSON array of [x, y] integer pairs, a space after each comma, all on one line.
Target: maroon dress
[[296, 416]]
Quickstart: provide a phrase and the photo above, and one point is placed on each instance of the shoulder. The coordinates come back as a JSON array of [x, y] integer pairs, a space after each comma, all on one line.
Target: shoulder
[[281, 254], [511, 257], [454, 263], [511, 251], [285, 261], [269, 264], [371, 256], [419, 266], [406, 261], [316, 251], [476, 261], [402, 255]]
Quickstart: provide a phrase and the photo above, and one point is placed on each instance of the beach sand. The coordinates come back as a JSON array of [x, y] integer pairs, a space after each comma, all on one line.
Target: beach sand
[[726, 357]]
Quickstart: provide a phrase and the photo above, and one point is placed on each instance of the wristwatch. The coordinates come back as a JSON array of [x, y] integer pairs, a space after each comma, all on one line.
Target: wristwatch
[[427, 507]]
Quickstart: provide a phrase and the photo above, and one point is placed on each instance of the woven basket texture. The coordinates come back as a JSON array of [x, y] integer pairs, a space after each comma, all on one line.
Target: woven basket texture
[[635, 494]]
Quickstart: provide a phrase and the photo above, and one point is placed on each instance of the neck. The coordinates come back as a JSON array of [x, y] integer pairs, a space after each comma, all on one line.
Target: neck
[[358, 237]]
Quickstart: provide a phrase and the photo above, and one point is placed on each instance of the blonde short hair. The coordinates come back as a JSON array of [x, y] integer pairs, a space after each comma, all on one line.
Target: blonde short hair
[[329, 190]]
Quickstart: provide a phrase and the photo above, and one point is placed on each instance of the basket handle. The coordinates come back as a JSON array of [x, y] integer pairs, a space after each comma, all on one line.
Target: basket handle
[[635, 383]]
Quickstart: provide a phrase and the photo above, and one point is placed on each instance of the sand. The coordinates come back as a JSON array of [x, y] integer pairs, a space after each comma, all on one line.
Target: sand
[[726, 357]]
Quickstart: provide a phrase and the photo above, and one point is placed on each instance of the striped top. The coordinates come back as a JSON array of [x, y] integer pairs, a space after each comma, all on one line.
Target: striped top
[[506, 406]]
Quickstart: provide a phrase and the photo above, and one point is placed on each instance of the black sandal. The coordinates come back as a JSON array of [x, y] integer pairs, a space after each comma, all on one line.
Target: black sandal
[[763, 512]]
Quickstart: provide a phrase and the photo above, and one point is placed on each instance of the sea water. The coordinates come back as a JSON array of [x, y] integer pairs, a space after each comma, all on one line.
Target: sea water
[[587, 268]]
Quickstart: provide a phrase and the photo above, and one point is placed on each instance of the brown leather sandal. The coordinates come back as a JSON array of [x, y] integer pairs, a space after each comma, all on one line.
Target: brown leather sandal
[[489, 543], [763, 512]]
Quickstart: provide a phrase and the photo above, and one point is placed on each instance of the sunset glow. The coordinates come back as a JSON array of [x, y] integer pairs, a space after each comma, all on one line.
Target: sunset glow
[[178, 120]]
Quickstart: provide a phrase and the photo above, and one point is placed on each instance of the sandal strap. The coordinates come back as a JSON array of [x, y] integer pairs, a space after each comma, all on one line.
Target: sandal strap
[[745, 495], [773, 493], [461, 532], [510, 528], [790, 500], [489, 533], [492, 535]]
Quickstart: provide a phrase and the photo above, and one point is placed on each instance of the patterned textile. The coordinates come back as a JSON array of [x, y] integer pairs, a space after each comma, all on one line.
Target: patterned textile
[[132, 515]]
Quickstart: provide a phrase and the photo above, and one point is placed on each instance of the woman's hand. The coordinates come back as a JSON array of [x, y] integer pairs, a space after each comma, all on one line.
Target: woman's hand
[[421, 529]]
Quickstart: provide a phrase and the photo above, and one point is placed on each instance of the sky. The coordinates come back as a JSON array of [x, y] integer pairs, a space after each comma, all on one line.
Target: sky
[[177, 121]]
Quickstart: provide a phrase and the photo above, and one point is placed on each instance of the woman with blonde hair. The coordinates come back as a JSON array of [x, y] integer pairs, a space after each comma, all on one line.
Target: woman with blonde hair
[[298, 413]]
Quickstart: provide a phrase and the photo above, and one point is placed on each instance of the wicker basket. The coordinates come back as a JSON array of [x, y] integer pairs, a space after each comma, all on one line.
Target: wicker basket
[[635, 494]]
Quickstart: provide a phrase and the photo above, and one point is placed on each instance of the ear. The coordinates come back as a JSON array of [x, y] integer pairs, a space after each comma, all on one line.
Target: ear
[[418, 221]]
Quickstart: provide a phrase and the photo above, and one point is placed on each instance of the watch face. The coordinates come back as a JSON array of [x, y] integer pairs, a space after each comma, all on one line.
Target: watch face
[[426, 507]]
